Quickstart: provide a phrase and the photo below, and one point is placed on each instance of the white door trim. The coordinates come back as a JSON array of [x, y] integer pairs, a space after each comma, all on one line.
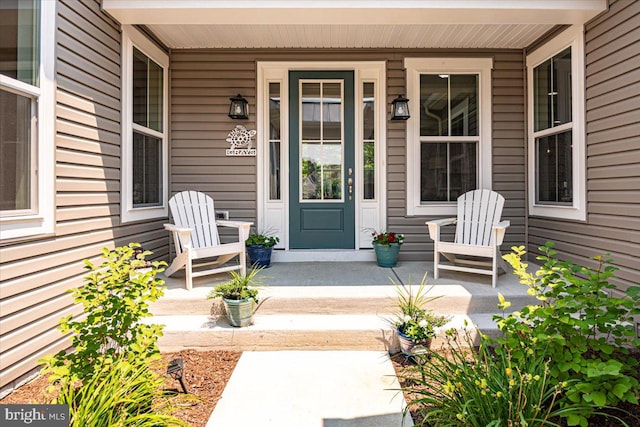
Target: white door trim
[[273, 215]]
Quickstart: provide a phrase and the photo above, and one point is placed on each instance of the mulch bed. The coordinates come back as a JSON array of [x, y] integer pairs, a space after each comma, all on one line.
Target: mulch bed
[[206, 374]]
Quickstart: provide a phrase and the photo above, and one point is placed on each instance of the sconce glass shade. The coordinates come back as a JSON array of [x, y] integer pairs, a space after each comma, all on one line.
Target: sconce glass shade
[[239, 108], [400, 108]]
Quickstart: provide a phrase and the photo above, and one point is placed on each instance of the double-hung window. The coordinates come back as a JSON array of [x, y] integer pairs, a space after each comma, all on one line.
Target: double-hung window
[[556, 127], [145, 151], [448, 134], [27, 46]]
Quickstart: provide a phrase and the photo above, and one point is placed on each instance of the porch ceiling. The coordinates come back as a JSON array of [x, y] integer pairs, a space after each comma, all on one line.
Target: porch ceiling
[[350, 36], [352, 23]]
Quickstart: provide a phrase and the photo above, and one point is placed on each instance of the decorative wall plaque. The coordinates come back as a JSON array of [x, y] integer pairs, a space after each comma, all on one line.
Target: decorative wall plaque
[[241, 142]]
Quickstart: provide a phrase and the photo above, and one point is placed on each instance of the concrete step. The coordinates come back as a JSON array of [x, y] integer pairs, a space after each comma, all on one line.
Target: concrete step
[[299, 332], [342, 300]]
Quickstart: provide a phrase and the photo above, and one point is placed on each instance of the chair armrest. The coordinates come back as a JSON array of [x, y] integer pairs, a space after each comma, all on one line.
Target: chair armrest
[[234, 224], [503, 224], [442, 222], [242, 226], [499, 231], [434, 226], [181, 237], [176, 229]]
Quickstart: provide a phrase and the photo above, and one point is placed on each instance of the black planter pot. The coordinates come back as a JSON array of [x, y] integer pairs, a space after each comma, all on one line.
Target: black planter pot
[[259, 255]]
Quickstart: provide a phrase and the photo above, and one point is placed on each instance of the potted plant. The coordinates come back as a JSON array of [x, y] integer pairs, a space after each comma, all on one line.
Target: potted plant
[[387, 247], [239, 296], [415, 324], [259, 248]]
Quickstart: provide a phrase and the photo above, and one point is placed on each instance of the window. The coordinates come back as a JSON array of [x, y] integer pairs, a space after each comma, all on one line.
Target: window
[[449, 132], [369, 141], [274, 141], [145, 151], [26, 118], [322, 139], [556, 127]]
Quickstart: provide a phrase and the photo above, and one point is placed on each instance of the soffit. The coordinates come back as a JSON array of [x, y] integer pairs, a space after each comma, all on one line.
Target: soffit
[[350, 36], [351, 23]]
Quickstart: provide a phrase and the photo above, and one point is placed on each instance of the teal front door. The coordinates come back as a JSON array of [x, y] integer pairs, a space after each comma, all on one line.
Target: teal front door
[[321, 156]]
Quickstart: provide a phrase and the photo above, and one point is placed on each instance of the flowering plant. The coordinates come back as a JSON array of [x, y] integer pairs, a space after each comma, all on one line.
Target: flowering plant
[[413, 320], [387, 237], [423, 326]]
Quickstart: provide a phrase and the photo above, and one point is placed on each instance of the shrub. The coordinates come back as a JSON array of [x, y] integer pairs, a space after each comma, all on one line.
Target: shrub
[[586, 331], [118, 394], [484, 387], [115, 298]]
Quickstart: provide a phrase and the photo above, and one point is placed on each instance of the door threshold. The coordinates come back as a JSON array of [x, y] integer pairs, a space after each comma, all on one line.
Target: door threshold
[[323, 255]]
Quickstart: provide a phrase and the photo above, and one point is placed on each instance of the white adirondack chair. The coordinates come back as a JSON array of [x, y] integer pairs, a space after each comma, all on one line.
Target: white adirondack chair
[[195, 237], [479, 234]]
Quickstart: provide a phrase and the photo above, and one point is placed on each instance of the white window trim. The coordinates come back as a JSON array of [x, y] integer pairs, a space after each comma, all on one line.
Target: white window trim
[[42, 221], [572, 37], [415, 67], [132, 37]]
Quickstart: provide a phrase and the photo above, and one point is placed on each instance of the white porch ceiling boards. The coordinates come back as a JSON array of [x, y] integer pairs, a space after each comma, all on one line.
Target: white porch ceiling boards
[[350, 36], [351, 23]]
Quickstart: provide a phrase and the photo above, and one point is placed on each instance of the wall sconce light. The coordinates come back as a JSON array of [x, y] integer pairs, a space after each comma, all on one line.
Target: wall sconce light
[[400, 108], [239, 108]]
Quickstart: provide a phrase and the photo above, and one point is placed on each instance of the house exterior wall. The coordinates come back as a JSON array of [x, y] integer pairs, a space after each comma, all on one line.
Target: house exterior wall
[[203, 80], [613, 150], [36, 273]]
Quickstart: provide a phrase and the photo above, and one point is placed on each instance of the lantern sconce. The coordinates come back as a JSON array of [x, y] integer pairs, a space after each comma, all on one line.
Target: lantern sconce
[[239, 108], [400, 108]]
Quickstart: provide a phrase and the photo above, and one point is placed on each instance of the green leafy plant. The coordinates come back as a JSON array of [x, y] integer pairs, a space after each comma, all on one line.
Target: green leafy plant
[[413, 319], [483, 387], [240, 286], [118, 394], [581, 326], [115, 298], [262, 239]]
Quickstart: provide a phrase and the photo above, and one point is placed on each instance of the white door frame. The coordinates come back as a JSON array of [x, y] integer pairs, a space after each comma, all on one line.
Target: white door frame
[[273, 215]]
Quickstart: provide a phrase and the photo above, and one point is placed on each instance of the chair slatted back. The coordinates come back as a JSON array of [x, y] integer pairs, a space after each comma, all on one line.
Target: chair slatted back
[[192, 209], [478, 212]]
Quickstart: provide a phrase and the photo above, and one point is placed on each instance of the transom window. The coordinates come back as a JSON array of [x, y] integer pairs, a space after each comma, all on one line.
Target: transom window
[[556, 127], [448, 134]]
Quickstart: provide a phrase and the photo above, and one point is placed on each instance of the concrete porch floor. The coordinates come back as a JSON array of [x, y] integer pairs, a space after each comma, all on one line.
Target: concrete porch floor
[[358, 273]]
